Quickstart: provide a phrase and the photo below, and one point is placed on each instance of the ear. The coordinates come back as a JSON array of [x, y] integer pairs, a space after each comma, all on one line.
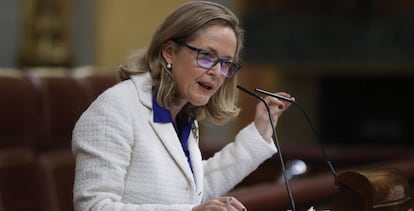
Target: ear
[[168, 51]]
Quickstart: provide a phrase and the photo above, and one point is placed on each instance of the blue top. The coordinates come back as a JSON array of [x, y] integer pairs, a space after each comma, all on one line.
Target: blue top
[[162, 115]]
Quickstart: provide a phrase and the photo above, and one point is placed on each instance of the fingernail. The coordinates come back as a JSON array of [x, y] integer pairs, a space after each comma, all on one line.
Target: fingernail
[[280, 107]]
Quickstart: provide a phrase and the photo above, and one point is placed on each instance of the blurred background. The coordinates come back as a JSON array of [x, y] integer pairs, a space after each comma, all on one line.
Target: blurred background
[[348, 63]]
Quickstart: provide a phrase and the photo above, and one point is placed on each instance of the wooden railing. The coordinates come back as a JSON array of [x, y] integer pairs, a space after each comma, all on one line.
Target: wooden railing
[[369, 186]]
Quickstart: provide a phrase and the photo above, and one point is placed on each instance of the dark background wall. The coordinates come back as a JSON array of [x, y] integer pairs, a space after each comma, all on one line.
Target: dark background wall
[[330, 39], [350, 62]]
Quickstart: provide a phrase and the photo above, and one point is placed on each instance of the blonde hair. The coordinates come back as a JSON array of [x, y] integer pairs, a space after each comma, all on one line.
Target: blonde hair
[[182, 25]]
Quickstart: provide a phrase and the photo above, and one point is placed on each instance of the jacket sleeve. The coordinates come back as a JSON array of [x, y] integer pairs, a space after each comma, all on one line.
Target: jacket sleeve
[[229, 166], [102, 144]]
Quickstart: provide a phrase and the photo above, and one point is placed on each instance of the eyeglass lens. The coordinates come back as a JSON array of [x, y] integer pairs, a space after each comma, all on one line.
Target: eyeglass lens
[[208, 60]]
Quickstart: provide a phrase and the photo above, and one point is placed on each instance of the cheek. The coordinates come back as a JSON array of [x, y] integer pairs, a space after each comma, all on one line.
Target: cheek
[[221, 81], [184, 80], [185, 70]]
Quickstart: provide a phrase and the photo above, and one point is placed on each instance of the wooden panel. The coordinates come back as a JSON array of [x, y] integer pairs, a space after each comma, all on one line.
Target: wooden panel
[[372, 189]]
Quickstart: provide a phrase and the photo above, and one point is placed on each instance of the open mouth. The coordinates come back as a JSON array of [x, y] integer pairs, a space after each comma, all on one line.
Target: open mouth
[[205, 86]]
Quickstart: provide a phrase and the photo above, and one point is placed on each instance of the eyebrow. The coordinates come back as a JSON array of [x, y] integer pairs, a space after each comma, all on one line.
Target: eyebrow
[[215, 52]]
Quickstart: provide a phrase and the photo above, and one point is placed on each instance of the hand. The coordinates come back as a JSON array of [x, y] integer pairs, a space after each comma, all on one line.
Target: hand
[[221, 204], [261, 119]]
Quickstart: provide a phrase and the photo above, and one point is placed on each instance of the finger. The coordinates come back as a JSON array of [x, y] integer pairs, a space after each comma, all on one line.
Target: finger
[[286, 95], [233, 203], [275, 105], [228, 201]]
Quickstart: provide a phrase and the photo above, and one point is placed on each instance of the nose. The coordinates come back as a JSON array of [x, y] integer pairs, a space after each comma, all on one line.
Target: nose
[[215, 70]]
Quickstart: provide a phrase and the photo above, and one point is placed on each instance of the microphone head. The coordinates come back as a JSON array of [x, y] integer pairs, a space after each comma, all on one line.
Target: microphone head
[[250, 93], [275, 95]]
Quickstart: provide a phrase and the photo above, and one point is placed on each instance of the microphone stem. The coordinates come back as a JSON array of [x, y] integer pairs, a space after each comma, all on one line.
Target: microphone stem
[[292, 202], [280, 157], [323, 151], [324, 154]]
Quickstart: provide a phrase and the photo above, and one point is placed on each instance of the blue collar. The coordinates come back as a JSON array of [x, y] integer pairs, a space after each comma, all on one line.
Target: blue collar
[[183, 129], [161, 115]]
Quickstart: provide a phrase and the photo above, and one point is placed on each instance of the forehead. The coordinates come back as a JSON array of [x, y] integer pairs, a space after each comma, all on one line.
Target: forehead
[[213, 26], [219, 38]]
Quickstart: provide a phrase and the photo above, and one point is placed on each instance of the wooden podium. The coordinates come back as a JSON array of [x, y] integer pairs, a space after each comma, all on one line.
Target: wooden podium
[[377, 189]]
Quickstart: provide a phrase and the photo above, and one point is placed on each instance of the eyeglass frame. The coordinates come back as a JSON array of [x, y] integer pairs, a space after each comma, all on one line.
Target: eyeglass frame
[[218, 60]]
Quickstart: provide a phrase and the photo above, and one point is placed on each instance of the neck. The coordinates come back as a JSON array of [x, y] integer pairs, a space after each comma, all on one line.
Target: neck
[[174, 110]]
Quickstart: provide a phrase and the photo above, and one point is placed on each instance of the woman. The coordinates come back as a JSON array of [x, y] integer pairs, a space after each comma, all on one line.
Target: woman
[[136, 146]]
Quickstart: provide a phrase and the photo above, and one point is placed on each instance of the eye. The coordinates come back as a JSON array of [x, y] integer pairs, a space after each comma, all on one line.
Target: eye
[[205, 62], [207, 55], [227, 63]]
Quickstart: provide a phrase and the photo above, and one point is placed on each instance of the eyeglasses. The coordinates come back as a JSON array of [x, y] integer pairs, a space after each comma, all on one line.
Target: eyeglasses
[[207, 60]]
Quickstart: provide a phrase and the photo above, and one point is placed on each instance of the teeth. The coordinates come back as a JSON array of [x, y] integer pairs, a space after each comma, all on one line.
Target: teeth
[[205, 86]]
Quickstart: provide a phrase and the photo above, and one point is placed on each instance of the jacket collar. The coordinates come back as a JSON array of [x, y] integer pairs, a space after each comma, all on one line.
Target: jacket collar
[[168, 136], [143, 84]]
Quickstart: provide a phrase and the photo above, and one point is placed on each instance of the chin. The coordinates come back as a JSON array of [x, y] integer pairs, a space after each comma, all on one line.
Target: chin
[[200, 102]]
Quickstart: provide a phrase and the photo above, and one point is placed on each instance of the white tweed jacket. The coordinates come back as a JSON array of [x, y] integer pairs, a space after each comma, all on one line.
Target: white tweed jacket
[[125, 161]]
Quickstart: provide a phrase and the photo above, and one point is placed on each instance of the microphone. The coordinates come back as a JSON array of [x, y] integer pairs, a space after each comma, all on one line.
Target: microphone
[[292, 202], [323, 151]]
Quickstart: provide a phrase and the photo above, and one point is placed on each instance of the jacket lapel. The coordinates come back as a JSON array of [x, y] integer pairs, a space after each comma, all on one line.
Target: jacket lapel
[[196, 158], [165, 132], [169, 139]]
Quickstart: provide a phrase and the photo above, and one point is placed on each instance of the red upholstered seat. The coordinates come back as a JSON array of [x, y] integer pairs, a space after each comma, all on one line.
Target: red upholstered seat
[[64, 100], [20, 188], [57, 168], [21, 110]]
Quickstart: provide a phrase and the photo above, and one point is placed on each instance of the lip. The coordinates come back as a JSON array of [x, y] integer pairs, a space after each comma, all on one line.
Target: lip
[[206, 87]]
